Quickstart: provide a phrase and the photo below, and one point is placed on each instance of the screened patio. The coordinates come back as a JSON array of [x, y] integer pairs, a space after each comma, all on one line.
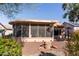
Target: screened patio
[[34, 30], [31, 31]]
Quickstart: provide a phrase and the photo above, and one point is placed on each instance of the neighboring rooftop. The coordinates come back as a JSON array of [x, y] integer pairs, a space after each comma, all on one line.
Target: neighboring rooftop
[[73, 24], [7, 26]]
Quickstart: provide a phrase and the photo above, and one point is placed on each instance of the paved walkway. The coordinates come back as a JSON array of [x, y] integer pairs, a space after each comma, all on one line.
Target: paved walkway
[[34, 49]]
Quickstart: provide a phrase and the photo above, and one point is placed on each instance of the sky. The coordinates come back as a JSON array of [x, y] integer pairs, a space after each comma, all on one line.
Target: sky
[[47, 11]]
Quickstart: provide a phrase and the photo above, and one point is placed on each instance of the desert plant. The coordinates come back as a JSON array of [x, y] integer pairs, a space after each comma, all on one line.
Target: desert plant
[[9, 47], [72, 46]]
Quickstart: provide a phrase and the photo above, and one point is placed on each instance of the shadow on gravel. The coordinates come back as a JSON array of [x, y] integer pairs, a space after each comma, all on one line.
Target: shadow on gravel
[[46, 54]]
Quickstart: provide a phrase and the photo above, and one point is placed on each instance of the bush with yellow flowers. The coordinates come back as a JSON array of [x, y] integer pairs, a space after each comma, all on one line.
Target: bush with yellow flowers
[[9, 47]]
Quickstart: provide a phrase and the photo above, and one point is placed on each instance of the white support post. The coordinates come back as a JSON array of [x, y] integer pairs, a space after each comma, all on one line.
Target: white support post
[[45, 30], [38, 30], [29, 30], [53, 32]]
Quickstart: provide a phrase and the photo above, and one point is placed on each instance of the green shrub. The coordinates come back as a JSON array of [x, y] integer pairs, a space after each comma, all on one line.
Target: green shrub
[[9, 47], [73, 45]]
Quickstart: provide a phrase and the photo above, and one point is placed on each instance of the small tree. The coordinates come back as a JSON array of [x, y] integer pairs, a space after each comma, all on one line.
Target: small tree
[[73, 44], [71, 11]]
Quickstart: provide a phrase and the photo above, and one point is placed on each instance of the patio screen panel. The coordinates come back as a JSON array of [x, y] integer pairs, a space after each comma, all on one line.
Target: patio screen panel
[[48, 34], [21, 30], [41, 31], [25, 31], [34, 31], [17, 30]]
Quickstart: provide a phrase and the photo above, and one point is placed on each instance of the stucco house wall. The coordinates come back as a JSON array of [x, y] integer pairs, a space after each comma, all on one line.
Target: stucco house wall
[[76, 28]]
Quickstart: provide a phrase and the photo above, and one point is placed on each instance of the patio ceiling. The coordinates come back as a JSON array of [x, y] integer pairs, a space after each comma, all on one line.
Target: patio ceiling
[[59, 26]]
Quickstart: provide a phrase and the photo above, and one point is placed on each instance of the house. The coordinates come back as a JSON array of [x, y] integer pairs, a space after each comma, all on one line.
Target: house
[[5, 30], [70, 28], [36, 30]]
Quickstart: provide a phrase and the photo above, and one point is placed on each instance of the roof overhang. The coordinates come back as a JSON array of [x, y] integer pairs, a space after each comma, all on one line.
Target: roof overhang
[[32, 22]]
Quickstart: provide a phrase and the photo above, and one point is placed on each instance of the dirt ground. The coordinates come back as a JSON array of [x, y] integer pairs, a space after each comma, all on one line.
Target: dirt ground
[[34, 49]]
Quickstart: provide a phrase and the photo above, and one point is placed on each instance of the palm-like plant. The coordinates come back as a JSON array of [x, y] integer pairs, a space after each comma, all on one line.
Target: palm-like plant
[[71, 11], [73, 45]]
